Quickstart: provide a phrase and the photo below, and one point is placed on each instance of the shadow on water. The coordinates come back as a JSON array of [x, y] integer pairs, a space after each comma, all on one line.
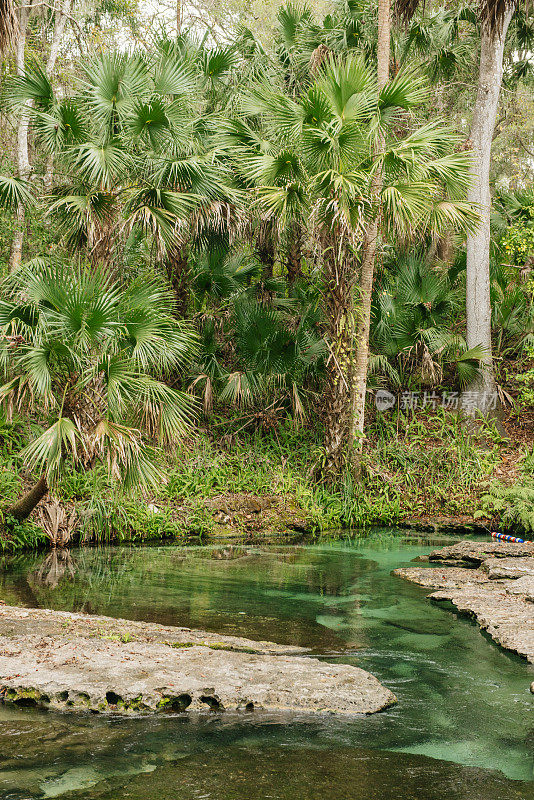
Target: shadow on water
[[462, 729]]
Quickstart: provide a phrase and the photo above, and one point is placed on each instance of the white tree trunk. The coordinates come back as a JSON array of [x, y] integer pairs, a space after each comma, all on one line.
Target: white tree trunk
[[22, 156], [480, 397], [59, 27]]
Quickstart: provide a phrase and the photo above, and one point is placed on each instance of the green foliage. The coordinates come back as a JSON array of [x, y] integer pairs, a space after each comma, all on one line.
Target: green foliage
[[525, 379], [234, 184], [414, 303], [518, 242], [89, 351], [511, 506]]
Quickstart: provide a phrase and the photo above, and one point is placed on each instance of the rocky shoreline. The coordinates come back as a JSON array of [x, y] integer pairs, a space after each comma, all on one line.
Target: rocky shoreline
[[69, 662], [492, 582]]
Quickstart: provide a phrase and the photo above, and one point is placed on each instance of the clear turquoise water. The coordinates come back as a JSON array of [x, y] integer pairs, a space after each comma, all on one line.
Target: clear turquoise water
[[463, 727]]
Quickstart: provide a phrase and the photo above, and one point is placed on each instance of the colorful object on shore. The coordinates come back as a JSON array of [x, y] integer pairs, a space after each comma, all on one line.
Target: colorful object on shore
[[505, 538]]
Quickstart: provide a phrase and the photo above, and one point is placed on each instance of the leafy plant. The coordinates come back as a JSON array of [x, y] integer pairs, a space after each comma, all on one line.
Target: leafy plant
[[90, 354]]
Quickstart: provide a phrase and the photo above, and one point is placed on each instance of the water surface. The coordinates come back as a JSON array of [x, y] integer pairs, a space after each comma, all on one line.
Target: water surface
[[463, 727]]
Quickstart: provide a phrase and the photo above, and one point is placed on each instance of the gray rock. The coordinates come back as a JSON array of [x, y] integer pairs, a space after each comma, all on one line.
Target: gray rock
[[69, 661], [522, 587], [474, 553], [508, 567]]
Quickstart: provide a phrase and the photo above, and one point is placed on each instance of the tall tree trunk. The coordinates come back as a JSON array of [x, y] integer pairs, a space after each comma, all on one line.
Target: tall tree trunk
[[339, 300], [24, 507], [22, 154], [480, 396], [361, 357], [8, 24]]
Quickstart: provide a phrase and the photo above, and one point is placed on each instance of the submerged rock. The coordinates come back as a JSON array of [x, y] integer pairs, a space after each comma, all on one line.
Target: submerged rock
[[68, 661]]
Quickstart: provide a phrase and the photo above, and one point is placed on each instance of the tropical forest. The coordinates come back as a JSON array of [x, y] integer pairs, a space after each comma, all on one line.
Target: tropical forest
[[266, 400]]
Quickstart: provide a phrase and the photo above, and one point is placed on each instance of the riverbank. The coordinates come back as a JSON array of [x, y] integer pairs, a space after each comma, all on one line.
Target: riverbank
[[423, 471], [493, 582], [76, 662]]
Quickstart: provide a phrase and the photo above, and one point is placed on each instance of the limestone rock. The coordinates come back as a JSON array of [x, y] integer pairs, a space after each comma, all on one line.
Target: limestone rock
[[69, 661], [474, 553]]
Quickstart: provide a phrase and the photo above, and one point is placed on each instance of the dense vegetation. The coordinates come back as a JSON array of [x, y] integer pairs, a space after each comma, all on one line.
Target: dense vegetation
[[253, 281]]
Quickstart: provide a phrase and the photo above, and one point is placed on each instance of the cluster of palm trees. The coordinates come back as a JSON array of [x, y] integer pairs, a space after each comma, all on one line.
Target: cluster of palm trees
[[260, 186]]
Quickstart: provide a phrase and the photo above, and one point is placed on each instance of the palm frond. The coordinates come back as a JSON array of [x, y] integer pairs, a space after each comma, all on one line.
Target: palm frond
[[14, 193], [46, 454]]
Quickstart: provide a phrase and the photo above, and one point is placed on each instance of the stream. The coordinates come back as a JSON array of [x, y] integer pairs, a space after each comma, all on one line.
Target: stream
[[463, 726]]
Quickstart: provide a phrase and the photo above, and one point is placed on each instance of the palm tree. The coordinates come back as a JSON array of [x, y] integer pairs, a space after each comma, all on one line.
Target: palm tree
[[315, 157], [130, 145], [370, 242], [90, 355], [413, 305]]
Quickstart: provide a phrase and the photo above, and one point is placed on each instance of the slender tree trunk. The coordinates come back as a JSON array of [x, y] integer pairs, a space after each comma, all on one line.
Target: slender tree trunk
[[60, 21], [22, 154], [24, 507], [361, 357], [480, 396], [339, 300]]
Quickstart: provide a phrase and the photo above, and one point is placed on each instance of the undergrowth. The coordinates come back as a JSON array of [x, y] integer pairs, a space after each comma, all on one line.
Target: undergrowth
[[421, 466], [512, 506]]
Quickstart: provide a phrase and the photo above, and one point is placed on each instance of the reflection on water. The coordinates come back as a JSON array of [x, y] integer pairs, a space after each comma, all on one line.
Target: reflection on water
[[461, 699]]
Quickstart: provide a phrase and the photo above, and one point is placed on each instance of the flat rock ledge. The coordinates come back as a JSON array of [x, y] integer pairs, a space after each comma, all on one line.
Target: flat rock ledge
[[492, 582], [66, 661]]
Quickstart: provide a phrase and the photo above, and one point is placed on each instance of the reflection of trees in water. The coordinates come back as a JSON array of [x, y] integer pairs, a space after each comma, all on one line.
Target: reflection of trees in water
[[274, 593], [58, 565], [76, 580]]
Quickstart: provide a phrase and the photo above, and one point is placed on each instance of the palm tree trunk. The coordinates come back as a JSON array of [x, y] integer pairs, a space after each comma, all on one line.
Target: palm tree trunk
[[361, 357], [8, 24], [339, 279], [294, 252], [177, 266], [479, 397], [265, 247], [24, 507]]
